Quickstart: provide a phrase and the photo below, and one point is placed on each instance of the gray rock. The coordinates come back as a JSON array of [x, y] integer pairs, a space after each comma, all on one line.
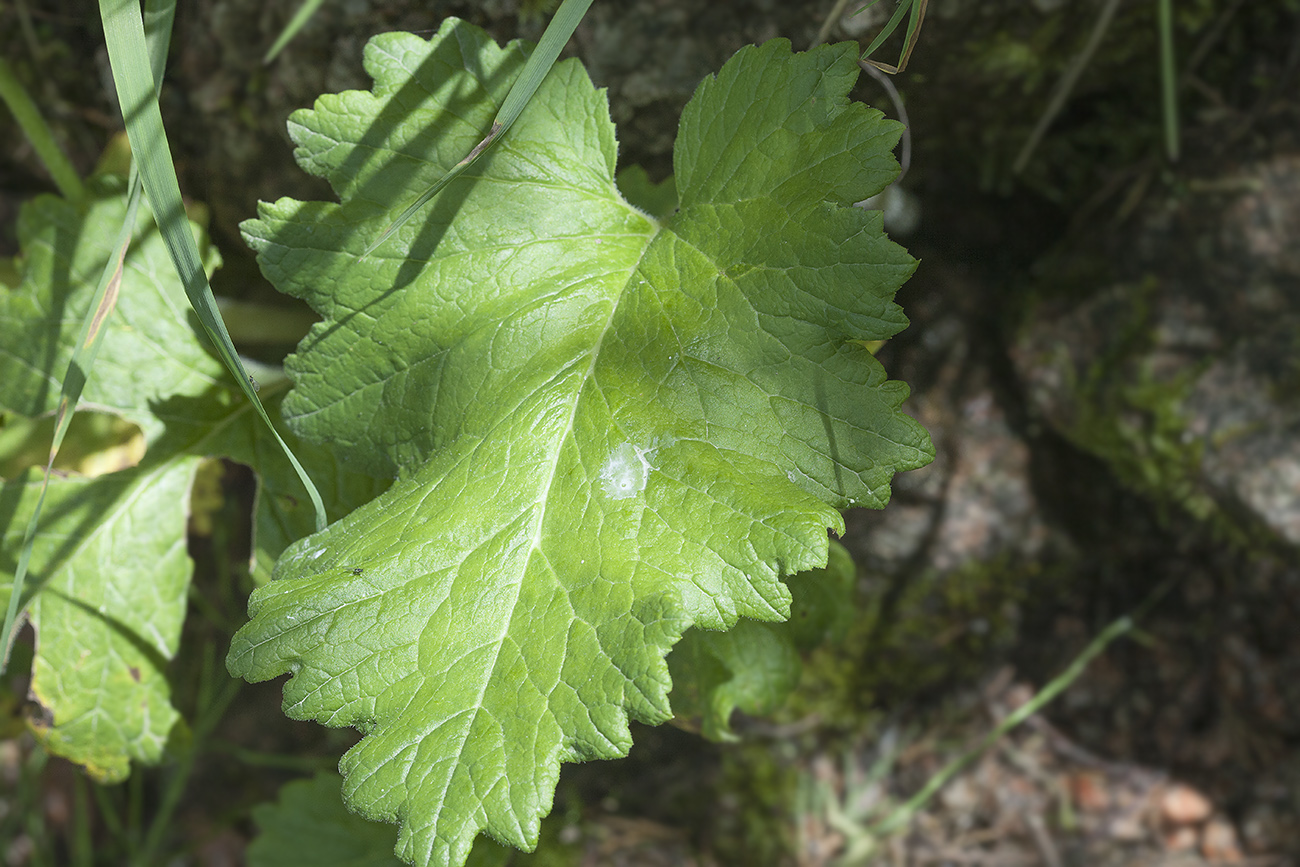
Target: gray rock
[[1188, 385]]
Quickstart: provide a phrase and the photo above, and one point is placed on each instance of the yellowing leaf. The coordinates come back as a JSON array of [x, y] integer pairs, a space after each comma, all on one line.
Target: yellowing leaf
[[109, 570]]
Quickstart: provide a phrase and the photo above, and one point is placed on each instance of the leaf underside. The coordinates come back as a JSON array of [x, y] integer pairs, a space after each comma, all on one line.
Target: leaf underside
[[606, 427]]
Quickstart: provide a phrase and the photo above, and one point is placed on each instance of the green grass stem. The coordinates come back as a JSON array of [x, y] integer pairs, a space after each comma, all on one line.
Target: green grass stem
[[124, 34], [1066, 85], [299, 20], [1168, 79], [216, 691], [38, 132], [837, 11], [902, 814]]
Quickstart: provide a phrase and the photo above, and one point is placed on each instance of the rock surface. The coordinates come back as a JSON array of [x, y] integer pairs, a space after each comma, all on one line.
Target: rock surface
[[1184, 376]]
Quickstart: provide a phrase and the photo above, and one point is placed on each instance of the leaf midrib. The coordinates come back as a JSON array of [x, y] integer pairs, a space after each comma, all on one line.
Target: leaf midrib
[[588, 378]]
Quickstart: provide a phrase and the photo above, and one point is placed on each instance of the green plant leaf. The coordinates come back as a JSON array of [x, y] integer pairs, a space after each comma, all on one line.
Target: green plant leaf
[[658, 200], [753, 667], [284, 512], [109, 568], [524, 85], [309, 825], [606, 428], [824, 606]]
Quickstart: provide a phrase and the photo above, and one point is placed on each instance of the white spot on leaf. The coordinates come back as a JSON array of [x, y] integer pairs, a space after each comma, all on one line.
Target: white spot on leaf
[[625, 473]]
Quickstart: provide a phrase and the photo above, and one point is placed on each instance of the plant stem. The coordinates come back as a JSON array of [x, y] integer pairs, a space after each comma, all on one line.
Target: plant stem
[[38, 132], [829, 24], [82, 849], [259, 759], [905, 811], [108, 811], [1066, 86], [216, 691], [1168, 79]]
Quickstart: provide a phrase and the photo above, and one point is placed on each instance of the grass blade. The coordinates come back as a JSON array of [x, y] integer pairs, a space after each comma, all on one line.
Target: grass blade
[[904, 812], [79, 366], [557, 34], [124, 33], [1117, 629], [837, 12], [158, 18], [889, 28], [1168, 79], [300, 18], [1066, 85], [917, 9], [38, 132]]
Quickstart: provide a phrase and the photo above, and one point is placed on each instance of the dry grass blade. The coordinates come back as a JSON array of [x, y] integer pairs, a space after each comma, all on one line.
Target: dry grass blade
[[79, 367], [916, 8]]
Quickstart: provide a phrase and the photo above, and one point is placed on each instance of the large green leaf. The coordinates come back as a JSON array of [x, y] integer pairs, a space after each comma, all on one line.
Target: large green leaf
[[109, 569], [606, 427]]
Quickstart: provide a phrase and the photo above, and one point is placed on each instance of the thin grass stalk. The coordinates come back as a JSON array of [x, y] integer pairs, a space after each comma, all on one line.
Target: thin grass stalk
[[299, 20], [216, 691], [83, 852], [108, 811], [1168, 80], [38, 132], [1066, 85], [124, 34], [904, 812], [1123, 626], [837, 11]]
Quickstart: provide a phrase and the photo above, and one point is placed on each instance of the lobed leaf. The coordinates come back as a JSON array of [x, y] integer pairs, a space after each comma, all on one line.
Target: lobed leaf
[[606, 427], [109, 570]]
